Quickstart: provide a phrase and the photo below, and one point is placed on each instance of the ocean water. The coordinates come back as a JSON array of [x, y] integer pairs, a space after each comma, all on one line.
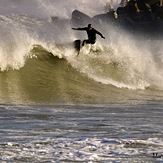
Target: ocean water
[[103, 105]]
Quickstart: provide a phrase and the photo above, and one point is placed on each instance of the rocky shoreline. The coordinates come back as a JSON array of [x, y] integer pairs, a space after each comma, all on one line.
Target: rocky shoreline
[[136, 16]]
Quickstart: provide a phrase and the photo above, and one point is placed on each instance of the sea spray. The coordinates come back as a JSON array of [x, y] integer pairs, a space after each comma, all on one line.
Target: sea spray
[[48, 8], [124, 61]]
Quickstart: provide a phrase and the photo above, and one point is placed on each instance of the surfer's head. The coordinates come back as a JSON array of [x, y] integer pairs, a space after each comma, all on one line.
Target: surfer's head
[[89, 26]]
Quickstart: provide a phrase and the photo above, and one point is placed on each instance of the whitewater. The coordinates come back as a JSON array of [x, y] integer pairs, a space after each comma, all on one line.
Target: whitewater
[[103, 105]]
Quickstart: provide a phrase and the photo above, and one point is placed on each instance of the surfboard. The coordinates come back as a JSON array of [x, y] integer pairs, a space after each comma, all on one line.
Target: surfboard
[[77, 45]]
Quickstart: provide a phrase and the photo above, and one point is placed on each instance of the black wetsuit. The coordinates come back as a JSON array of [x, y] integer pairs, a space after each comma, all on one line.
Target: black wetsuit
[[91, 32]]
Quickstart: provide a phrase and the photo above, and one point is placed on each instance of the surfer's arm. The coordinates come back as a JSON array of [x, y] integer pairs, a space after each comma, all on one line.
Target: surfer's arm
[[97, 32], [79, 28]]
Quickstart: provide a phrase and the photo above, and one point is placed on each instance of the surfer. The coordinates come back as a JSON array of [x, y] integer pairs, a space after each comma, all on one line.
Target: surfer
[[91, 32]]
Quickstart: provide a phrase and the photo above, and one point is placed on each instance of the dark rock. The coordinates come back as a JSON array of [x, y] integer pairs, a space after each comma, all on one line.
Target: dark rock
[[105, 18], [78, 18]]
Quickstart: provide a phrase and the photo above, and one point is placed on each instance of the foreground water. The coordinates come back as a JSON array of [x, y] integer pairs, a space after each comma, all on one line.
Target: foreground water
[[67, 133]]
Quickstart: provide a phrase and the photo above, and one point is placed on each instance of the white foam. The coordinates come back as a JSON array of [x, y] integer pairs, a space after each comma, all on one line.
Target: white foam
[[84, 149]]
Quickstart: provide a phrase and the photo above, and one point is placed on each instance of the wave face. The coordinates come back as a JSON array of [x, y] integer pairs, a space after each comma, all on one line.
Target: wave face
[[39, 64]]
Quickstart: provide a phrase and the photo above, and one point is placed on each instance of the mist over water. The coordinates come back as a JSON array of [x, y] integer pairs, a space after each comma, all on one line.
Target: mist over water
[[47, 8]]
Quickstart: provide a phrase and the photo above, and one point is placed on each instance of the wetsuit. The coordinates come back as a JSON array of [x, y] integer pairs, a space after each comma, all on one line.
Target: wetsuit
[[91, 32]]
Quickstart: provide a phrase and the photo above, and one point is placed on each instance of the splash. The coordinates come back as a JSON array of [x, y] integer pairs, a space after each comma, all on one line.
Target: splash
[[63, 9], [123, 60]]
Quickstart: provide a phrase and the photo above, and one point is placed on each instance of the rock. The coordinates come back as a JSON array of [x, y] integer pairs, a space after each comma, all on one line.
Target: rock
[[78, 18], [107, 17]]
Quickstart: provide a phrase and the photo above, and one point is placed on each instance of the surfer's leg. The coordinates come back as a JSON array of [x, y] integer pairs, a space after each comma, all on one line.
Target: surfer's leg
[[92, 41], [84, 41], [88, 42]]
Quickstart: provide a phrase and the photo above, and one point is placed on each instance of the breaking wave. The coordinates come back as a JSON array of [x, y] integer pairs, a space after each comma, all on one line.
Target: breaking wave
[[30, 45]]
